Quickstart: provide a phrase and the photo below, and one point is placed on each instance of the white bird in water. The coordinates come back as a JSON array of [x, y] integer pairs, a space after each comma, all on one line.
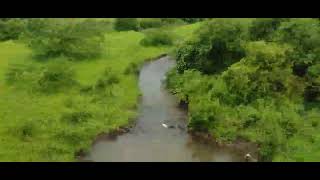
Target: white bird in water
[[164, 125]]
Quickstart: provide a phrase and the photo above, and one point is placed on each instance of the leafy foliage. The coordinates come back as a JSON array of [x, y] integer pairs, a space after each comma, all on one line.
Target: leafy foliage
[[11, 29], [192, 20], [264, 95], [263, 29], [54, 38], [217, 46], [157, 38], [55, 76], [126, 24], [146, 23]]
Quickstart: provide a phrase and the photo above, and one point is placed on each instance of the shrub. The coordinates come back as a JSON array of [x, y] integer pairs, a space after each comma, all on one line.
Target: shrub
[[108, 79], [146, 23], [73, 136], [25, 129], [192, 20], [264, 72], [157, 38], [126, 24], [172, 21], [263, 29], [11, 29], [56, 76], [215, 47], [53, 38], [132, 68], [312, 91], [76, 117], [204, 114], [258, 96], [304, 35], [314, 71], [20, 73]]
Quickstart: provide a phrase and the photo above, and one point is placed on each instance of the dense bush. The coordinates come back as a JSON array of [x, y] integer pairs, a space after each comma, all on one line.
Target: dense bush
[[126, 24], [263, 72], [263, 29], [133, 68], [76, 117], [53, 38], [170, 21], [95, 25], [56, 76], [157, 38], [107, 80], [11, 29], [26, 130], [192, 20], [216, 46], [146, 23], [260, 95], [304, 36], [17, 72]]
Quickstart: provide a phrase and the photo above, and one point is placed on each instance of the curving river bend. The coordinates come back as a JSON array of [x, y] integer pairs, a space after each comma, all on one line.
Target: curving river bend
[[149, 141]]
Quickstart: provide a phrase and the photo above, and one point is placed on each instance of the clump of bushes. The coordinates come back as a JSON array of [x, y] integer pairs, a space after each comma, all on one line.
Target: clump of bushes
[[172, 21], [72, 136], [262, 73], [56, 76], [216, 46], [133, 68], [264, 28], [108, 79], [126, 24], [54, 38], [258, 90], [76, 117], [20, 73], [51, 77], [303, 35], [11, 28], [157, 38], [25, 130], [146, 23], [192, 20]]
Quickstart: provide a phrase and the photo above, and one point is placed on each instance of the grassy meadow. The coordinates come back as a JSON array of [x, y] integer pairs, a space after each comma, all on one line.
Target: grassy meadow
[[38, 126]]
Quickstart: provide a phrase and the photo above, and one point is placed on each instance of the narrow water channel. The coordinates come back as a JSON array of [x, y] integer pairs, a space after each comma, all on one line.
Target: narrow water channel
[[149, 140]]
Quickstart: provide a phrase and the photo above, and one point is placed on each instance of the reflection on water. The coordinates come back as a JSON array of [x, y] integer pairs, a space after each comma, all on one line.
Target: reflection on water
[[149, 141]]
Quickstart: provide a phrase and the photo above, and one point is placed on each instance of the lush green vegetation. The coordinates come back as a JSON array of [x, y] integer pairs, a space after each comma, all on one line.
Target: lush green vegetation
[[158, 37], [84, 83], [125, 24], [55, 38], [10, 28], [254, 79], [64, 81]]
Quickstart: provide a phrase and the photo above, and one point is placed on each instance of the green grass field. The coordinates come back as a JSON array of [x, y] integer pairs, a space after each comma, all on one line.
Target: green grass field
[[32, 124]]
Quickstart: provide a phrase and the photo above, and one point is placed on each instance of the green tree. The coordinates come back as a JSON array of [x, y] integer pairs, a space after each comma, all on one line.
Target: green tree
[[216, 45]]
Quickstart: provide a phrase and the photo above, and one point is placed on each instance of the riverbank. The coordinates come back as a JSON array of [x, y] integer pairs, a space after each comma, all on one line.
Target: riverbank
[[112, 134], [148, 140]]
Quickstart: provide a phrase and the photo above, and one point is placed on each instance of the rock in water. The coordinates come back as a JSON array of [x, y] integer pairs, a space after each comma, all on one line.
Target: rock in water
[[249, 158], [171, 126]]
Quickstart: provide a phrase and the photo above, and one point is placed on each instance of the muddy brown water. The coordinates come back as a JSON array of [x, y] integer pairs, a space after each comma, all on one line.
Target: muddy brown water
[[148, 140]]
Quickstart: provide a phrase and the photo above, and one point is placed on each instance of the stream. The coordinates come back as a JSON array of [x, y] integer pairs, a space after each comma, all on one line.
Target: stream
[[149, 140]]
